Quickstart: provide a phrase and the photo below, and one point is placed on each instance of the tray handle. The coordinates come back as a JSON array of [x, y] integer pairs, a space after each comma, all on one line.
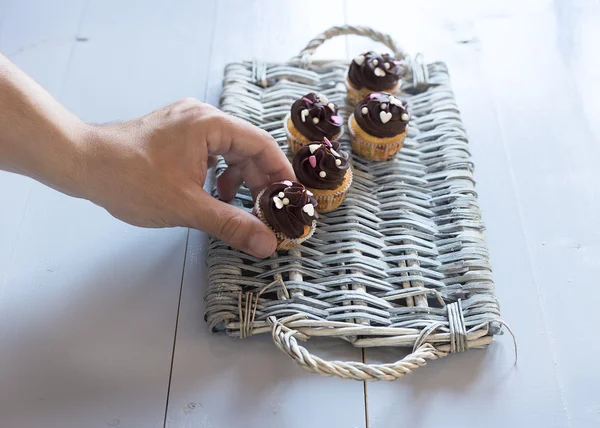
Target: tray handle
[[343, 30], [285, 341], [416, 70]]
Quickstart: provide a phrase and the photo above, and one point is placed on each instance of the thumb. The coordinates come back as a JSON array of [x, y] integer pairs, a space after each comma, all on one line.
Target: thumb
[[235, 226]]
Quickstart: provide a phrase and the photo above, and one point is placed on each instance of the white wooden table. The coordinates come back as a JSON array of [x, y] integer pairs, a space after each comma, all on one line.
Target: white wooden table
[[101, 324]]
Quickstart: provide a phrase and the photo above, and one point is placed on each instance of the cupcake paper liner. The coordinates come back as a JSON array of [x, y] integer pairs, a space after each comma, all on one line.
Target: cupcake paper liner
[[375, 149], [283, 242], [355, 95], [329, 200]]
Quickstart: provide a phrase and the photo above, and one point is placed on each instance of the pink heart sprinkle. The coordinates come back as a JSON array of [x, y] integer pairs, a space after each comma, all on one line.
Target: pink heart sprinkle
[[313, 161], [373, 95], [337, 120], [307, 100], [327, 142], [287, 182]]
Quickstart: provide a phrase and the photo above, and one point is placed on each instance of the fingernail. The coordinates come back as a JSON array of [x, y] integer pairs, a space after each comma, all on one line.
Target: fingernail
[[262, 244]]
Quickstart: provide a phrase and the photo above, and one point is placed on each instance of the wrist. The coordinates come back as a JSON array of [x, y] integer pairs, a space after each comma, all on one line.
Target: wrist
[[100, 157], [74, 162], [60, 160], [38, 136]]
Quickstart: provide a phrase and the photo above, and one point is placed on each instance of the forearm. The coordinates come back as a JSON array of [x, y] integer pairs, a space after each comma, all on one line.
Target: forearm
[[38, 136]]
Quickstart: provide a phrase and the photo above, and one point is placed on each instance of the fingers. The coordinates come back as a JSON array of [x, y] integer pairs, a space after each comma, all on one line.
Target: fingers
[[256, 179], [229, 182], [241, 143], [232, 178], [238, 228]]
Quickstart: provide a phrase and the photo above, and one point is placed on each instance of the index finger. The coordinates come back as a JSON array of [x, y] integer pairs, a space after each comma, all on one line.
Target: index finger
[[240, 142]]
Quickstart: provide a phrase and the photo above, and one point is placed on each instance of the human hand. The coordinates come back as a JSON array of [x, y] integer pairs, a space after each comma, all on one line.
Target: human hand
[[150, 171]]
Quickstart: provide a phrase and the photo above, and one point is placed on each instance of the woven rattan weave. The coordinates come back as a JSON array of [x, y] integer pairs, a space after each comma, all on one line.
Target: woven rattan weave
[[403, 262]]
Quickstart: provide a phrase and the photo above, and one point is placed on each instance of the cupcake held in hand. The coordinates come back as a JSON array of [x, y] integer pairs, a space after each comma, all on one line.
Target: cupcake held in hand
[[324, 169], [371, 72], [312, 118], [288, 208], [379, 125]]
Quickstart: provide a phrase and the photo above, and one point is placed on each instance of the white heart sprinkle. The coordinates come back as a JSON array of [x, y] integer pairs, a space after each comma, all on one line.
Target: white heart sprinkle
[[387, 65], [331, 106], [285, 201], [322, 98], [313, 148], [315, 120], [338, 162], [303, 115], [364, 110], [287, 183], [281, 194], [309, 209], [395, 101], [383, 106], [404, 117], [309, 193], [359, 59], [375, 62], [379, 72], [278, 202], [334, 153], [322, 174], [385, 116]]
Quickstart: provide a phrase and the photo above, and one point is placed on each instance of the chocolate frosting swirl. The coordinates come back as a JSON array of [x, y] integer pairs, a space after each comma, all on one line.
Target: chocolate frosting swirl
[[315, 117], [382, 115], [373, 71], [321, 165], [283, 204]]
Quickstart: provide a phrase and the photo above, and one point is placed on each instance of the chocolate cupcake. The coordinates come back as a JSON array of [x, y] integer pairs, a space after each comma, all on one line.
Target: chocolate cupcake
[[312, 118], [325, 170], [379, 125], [288, 208], [371, 72]]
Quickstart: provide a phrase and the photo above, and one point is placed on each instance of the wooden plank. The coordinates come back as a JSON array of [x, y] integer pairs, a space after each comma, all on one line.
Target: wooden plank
[[89, 304], [273, 34], [479, 386], [548, 107], [15, 192], [221, 382], [129, 63], [32, 36], [42, 48], [4, 8], [88, 313]]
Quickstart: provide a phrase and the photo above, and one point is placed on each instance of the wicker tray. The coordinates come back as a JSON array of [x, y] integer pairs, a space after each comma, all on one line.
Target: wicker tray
[[403, 262]]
